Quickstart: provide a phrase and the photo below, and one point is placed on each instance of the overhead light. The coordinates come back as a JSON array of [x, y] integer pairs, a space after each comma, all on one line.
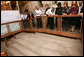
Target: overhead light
[[6, 2]]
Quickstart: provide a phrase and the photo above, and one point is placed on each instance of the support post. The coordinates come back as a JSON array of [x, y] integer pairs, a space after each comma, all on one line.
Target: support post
[[44, 23], [5, 41]]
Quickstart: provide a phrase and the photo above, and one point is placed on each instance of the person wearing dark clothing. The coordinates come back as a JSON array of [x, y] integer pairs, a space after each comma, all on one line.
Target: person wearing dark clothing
[[26, 22], [59, 11], [26, 10], [66, 11], [31, 16], [74, 20]]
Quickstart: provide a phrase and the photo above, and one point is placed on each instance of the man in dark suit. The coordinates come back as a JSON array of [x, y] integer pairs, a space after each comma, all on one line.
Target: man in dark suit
[[31, 16], [59, 11]]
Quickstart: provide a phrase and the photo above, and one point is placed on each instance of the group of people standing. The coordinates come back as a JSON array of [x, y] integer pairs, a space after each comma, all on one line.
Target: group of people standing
[[60, 10]]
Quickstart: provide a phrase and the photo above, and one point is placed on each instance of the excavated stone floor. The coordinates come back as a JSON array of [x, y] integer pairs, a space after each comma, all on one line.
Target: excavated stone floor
[[40, 44]]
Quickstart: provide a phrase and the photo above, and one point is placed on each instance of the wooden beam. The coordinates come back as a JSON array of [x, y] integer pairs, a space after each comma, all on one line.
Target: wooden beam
[[58, 32]]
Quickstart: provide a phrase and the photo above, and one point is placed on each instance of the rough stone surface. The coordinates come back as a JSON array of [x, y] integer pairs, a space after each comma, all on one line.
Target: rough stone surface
[[39, 44]]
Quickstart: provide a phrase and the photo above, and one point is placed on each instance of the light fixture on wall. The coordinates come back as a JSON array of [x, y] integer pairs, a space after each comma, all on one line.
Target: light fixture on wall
[[5, 5], [7, 1], [2, 2]]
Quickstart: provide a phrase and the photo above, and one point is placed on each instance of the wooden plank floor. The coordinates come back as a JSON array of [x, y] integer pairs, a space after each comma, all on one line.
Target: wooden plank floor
[[39, 44]]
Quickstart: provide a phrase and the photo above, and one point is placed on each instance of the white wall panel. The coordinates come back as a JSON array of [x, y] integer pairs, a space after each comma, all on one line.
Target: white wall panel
[[8, 16]]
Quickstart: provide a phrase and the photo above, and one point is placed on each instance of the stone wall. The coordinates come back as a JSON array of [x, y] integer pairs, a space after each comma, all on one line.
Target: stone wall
[[69, 2], [48, 2], [32, 4]]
